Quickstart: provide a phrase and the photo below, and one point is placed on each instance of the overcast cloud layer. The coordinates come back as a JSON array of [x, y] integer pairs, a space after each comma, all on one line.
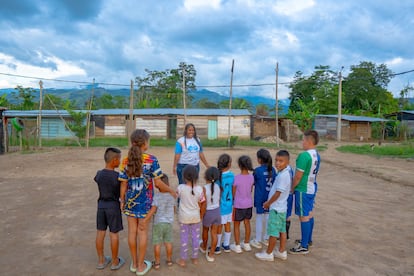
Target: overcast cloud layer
[[114, 41]]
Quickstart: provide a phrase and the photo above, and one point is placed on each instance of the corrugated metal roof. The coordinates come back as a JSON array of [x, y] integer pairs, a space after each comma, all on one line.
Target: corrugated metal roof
[[354, 118], [146, 111]]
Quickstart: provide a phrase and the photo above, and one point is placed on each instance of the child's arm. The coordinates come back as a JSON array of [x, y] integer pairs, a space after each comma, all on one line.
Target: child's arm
[[164, 187], [124, 185], [151, 212], [269, 202], [296, 179], [234, 190], [203, 204]]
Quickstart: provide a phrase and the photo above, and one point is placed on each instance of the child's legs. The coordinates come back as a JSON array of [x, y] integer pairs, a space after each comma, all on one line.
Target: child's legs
[[265, 219], [259, 227], [100, 238], [168, 250], [157, 253], [213, 235], [236, 226], [282, 239], [114, 247], [247, 230], [227, 227], [142, 238], [184, 235], [205, 237], [132, 239], [272, 244], [195, 238], [157, 238]]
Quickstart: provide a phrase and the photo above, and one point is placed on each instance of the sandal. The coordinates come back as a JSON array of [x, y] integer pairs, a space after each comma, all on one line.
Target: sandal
[[169, 262], [156, 265]]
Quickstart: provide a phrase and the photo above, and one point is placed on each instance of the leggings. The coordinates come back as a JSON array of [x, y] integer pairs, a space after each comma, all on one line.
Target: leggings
[[186, 231]]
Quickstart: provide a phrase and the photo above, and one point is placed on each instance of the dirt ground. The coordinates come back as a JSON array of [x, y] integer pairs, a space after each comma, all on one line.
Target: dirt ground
[[364, 217]]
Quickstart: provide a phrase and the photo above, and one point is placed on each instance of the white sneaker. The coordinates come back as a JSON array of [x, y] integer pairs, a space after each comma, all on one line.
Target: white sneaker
[[263, 256], [245, 246], [209, 259], [265, 242], [280, 255], [256, 244], [235, 248]]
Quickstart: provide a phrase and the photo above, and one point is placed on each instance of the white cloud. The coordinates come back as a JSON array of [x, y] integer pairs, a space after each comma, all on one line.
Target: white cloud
[[292, 7], [191, 5], [10, 65], [394, 61]]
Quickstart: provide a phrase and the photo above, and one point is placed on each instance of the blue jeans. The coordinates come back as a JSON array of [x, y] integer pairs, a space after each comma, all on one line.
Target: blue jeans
[[180, 168]]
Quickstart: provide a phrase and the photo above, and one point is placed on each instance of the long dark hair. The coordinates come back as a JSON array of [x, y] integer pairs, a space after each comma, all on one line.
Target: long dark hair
[[190, 173], [265, 158], [212, 174], [187, 126], [245, 163], [223, 162], [138, 138]]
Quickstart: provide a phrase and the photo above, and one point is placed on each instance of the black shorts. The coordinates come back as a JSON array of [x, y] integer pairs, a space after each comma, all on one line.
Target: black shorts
[[242, 214], [109, 217]]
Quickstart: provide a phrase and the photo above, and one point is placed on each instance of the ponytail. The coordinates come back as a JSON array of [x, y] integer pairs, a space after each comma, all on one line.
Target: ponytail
[[213, 183], [134, 166]]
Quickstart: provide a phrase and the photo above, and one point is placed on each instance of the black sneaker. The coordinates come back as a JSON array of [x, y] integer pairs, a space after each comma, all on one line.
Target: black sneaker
[[299, 241], [299, 250]]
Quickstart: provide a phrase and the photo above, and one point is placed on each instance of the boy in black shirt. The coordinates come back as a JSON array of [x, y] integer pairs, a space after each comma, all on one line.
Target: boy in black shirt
[[109, 212]]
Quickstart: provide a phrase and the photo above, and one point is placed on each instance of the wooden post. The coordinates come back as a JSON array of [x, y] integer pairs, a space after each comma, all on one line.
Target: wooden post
[[230, 99], [277, 106], [88, 115], [39, 119], [339, 123], [130, 126]]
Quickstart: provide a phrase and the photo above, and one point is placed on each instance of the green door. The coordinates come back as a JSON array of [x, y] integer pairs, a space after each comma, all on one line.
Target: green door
[[212, 129]]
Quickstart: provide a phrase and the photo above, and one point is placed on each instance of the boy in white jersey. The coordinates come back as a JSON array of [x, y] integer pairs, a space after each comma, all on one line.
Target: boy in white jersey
[[304, 185], [277, 205]]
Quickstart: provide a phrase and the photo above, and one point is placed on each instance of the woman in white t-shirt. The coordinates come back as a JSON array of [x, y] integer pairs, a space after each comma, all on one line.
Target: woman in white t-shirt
[[188, 151]]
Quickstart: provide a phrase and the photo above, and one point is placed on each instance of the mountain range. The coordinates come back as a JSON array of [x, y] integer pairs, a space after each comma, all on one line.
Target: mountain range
[[81, 96]]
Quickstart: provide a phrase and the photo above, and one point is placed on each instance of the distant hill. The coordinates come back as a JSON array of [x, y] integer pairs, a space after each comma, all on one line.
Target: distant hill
[[80, 96]]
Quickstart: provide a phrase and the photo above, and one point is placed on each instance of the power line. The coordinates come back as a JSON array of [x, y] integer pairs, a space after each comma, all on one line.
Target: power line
[[199, 86]]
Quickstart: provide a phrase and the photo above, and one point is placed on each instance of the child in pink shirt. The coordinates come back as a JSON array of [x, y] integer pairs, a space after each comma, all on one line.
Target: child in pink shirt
[[243, 204]]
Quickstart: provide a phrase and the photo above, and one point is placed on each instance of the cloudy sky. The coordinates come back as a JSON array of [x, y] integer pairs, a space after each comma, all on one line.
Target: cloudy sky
[[114, 41]]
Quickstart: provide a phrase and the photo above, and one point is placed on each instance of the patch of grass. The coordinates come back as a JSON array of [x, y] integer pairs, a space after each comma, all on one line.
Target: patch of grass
[[403, 150]]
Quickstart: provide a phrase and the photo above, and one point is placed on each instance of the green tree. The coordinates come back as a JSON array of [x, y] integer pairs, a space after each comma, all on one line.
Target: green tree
[[3, 101], [77, 125], [319, 87], [237, 103], [262, 110], [303, 117], [365, 90], [403, 102], [51, 102], [164, 88], [25, 98]]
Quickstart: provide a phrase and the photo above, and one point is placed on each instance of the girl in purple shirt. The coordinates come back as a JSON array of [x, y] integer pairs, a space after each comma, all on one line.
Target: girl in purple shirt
[[243, 204]]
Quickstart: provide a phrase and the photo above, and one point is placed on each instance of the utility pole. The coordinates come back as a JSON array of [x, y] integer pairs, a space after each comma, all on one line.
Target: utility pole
[[88, 115], [339, 123], [39, 119], [231, 93], [277, 106], [130, 124], [184, 100]]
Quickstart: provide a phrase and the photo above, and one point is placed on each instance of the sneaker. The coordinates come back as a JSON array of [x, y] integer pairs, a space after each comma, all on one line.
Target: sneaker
[[299, 250], [265, 242], [217, 251], [226, 248], [256, 244], [299, 241], [235, 248], [263, 256], [209, 259], [245, 246], [280, 255]]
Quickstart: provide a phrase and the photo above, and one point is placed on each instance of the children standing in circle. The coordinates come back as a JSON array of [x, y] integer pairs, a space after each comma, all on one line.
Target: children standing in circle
[[109, 212], [226, 202], [190, 212], [163, 224], [212, 217], [277, 203], [188, 151], [243, 204], [264, 176], [138, 174]]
